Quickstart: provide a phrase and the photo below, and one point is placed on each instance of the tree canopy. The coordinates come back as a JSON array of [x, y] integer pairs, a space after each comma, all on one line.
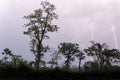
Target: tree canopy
[[40, 23]]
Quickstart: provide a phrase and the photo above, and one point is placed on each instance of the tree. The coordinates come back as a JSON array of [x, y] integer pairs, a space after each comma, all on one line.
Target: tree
[[96, 51], [91, 65], [102, 54], [111, 56], [10, 59], [68, 50], [40, 23], [55, 57], [80, 57], [6, 57]]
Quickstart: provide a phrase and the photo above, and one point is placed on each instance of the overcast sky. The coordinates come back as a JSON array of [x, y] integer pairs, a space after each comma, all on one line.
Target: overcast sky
[[79, 20]]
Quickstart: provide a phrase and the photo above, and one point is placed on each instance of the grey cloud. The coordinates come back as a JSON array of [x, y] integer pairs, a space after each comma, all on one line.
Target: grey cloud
[[76, 17]]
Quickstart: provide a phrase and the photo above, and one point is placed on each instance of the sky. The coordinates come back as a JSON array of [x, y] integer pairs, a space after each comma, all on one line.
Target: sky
[[80, 21]]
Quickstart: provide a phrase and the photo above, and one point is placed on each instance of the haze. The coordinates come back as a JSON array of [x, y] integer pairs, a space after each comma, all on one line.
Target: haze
[[80, 21]]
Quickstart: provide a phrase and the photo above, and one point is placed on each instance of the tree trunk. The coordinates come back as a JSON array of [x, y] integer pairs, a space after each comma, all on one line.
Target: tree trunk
[[38, 62], [38, 57], [40, 39], [79, 65], [68, 62]]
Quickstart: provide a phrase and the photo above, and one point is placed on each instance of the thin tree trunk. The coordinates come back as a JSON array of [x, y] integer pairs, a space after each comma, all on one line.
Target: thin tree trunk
[[56, 60], [79, 64], [38, 58], [40, 45]]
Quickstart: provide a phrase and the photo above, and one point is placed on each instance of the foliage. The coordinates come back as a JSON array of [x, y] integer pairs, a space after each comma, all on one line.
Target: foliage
[[12, 66], [40, 23], [105, 64], [12, 60], [55, 57], [102, 55], [68, 50], [80, 56]]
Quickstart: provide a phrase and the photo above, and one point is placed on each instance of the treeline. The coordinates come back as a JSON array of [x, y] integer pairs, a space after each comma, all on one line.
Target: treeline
[[39, 24], [103, 58], [105, 64]]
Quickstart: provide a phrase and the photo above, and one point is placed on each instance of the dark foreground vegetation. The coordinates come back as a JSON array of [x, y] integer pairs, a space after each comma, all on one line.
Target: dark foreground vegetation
[[13, 67], [26, 74], [103, 63]]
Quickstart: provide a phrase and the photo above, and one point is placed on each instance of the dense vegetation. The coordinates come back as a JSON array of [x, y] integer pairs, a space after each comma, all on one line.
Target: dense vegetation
[[102, 62], [105, 64]]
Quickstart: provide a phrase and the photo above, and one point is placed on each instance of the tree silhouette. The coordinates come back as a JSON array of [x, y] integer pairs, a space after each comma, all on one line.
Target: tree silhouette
[[40, 23], [80, 56], [111, 56], [102, 54], [10, 59], [91, 65], [55, 57], [68, 50], [96, 51], [6, 56]]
